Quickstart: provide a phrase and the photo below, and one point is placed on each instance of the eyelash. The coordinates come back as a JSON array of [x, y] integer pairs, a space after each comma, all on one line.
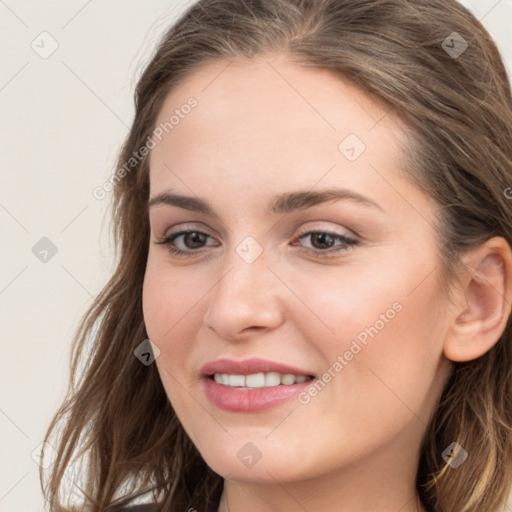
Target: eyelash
[[347, 243]]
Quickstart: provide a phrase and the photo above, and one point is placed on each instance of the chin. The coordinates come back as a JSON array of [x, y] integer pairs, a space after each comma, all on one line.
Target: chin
[[245, 462], [262, 472]]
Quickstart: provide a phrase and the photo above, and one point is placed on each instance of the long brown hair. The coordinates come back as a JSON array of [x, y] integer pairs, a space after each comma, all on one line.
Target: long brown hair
[[117, 424]]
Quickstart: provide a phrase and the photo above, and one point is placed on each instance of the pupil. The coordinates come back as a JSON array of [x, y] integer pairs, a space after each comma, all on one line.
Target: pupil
[[196, 237], [321, 237]]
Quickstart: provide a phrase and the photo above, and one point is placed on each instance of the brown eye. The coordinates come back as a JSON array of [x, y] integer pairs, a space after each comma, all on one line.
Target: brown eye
[[192, 241], [322, 242]]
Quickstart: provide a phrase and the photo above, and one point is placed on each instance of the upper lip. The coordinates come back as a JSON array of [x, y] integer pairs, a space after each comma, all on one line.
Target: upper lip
[[248, 367]]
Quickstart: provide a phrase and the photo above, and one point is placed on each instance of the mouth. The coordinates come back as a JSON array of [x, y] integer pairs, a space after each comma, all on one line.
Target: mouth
[[259, 380], [252, 385]]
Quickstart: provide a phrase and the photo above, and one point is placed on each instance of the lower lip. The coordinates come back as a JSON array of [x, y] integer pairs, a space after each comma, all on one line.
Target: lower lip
[[250, 400]]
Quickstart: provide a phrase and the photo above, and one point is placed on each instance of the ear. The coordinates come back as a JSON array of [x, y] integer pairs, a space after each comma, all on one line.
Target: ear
[[483, 303]]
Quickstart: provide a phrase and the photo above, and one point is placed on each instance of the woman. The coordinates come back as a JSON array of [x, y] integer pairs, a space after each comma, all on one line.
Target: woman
[[312, 211]]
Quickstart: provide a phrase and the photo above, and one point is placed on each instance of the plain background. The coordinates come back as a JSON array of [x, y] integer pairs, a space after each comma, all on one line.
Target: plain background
[[63, 120]]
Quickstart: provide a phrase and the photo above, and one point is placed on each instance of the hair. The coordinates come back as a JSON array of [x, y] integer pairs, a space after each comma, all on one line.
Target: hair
[[116, 420]]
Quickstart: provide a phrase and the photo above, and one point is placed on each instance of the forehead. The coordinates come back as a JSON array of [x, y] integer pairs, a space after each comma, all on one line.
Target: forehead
[[269, 119]]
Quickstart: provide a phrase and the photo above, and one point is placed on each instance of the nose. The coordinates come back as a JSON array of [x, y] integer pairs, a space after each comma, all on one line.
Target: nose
[[247, 300]]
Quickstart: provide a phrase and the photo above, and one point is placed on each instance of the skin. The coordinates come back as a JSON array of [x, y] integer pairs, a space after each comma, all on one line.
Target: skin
[[266, 127]]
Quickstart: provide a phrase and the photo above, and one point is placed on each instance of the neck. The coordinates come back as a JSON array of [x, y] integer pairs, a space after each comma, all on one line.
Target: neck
[[243, 497]]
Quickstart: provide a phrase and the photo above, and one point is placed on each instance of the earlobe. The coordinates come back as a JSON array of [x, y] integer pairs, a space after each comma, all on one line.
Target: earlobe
[[484, 302]]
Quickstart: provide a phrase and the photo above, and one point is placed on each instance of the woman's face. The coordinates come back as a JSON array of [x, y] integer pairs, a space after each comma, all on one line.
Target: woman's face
[[339, 286]]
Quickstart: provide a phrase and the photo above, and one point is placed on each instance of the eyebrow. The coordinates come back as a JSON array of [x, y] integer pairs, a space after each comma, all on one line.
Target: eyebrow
[[282, 203]]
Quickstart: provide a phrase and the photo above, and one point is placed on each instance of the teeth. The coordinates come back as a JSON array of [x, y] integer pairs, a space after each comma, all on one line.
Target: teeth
[[259, 380], [272, 379], [287, 379], [255, 380]]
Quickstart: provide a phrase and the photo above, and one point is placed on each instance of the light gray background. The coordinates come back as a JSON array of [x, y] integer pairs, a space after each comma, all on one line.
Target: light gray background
[[63, 120]]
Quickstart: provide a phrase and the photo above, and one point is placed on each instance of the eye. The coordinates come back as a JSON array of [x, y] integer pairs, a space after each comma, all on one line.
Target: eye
[[322, 239], [191, 237]]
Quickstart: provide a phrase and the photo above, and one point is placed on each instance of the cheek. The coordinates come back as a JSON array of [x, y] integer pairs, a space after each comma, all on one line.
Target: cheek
[[173, 308], [168, 300], [154, 302], [380, 336], [168, 309]]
